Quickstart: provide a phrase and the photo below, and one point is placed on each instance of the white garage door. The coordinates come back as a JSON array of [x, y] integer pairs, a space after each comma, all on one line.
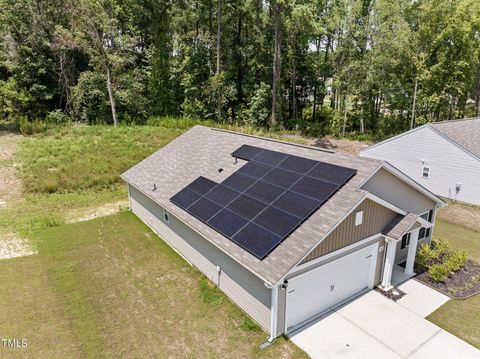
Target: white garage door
[[316, 291]]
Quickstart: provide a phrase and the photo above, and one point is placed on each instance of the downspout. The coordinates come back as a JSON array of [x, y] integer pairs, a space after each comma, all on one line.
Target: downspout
[[273, 316]]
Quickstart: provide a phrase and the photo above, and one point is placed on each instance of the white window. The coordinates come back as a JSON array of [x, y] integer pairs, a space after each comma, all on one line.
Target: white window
[[428, 216], [166, 215], [425, 172], [359, 218]]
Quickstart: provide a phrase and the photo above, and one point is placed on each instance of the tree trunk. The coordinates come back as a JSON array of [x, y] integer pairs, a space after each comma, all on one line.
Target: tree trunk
[[112, 100], [219, 33], [477, 91], [412, 121], [276, 65], [294, 80], [345, 109]]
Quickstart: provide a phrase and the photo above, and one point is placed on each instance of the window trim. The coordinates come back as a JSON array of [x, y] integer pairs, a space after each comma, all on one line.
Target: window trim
[[166, 216], [359, 218]]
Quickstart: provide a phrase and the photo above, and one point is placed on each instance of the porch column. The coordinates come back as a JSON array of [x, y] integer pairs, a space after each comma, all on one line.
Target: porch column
[[412, 251], [389, 262]]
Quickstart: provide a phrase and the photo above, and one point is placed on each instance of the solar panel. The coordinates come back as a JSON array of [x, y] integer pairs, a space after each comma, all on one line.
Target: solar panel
[[276, 221], [265, 200], [239, 182], [185, 198], [246, 152], [271, 158], [264, 192], [227, 222], [256, 240], [296, 204], [297, 164], [314, 188], [254, 169], [203, 209], [281, 177], [202, 185], [246, 206], [222, 195], [331, 173]]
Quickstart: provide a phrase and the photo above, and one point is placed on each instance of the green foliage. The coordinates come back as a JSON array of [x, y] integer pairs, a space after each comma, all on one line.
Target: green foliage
[[56, 117], [456, 260], [439, 272], [73, 159], [439, 260], [259, 106], [29, 128], [426, 256], [349, 60]]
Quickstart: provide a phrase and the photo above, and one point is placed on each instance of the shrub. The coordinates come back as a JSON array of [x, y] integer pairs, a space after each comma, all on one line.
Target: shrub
[[426, 256], [456, 260], [56, 117], [441, 246], [439, 272]]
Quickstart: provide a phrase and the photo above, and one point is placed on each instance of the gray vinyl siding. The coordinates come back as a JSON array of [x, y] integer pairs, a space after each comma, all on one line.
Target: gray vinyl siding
[[393, 190], [240, 285], [375, 218], [448, 163]]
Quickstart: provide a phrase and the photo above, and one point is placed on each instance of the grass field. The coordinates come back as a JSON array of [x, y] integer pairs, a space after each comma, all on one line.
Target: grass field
[[110, 288], [460, 317], [107, 287]]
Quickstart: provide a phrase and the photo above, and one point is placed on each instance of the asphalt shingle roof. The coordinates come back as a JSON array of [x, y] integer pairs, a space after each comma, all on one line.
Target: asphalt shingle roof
[[400, 225], [465, 133], [202, 151]]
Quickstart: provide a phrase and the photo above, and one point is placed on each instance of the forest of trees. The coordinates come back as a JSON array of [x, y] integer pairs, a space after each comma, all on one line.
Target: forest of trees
[[320, 66]]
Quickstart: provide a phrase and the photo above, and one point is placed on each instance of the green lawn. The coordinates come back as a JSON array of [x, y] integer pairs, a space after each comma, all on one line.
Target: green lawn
[[460, 317], [110, 288]]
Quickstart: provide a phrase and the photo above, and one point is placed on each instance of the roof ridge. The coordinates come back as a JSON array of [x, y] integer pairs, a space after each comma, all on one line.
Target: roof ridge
[[273, 140], [453, 121]]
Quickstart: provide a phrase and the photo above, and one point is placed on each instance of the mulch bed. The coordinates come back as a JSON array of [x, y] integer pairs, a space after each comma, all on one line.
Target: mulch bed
[[461, 284], [393, 294]]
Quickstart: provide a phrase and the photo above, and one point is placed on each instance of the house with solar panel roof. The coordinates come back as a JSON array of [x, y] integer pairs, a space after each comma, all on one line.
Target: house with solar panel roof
[[286, 231]]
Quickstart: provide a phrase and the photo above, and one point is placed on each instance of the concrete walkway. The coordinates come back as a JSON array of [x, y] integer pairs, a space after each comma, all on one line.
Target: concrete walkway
[[373, 326], [421, 299]]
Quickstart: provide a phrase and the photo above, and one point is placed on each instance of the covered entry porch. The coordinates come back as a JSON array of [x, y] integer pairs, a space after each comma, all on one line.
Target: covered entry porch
[[404, 232]]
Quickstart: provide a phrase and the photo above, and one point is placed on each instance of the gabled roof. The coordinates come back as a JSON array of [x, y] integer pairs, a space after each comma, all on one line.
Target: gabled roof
[[465, 133], [401, 225], [202, 151]]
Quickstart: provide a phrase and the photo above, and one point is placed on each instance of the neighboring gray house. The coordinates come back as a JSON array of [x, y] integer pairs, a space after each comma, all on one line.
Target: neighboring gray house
[[353, 242], [442, 156]]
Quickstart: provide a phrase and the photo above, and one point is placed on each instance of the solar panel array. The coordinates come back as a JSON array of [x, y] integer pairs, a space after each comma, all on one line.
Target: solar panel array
[[263, 202]]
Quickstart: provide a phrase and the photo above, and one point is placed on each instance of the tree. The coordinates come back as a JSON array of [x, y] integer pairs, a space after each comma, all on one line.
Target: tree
[[276, 104]]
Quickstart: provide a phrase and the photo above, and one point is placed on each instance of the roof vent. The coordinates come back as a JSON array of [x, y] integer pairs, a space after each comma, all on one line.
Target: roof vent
[[220, 170], [154, 187]]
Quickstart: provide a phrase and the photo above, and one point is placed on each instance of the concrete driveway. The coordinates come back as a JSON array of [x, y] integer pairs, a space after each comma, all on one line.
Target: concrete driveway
[[373, 326]]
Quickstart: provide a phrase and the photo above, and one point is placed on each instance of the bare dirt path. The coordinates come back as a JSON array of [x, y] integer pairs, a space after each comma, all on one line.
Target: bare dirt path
[[10, 184], [11, 245]]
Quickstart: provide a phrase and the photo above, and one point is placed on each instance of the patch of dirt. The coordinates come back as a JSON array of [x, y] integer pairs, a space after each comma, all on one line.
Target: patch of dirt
[[105, 210], [468, 216], [12, 247], [10, 184], [348, 146], [461, 284]]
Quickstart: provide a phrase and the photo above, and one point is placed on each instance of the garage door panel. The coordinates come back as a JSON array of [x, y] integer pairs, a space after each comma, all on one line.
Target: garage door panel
[[318, 290]]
